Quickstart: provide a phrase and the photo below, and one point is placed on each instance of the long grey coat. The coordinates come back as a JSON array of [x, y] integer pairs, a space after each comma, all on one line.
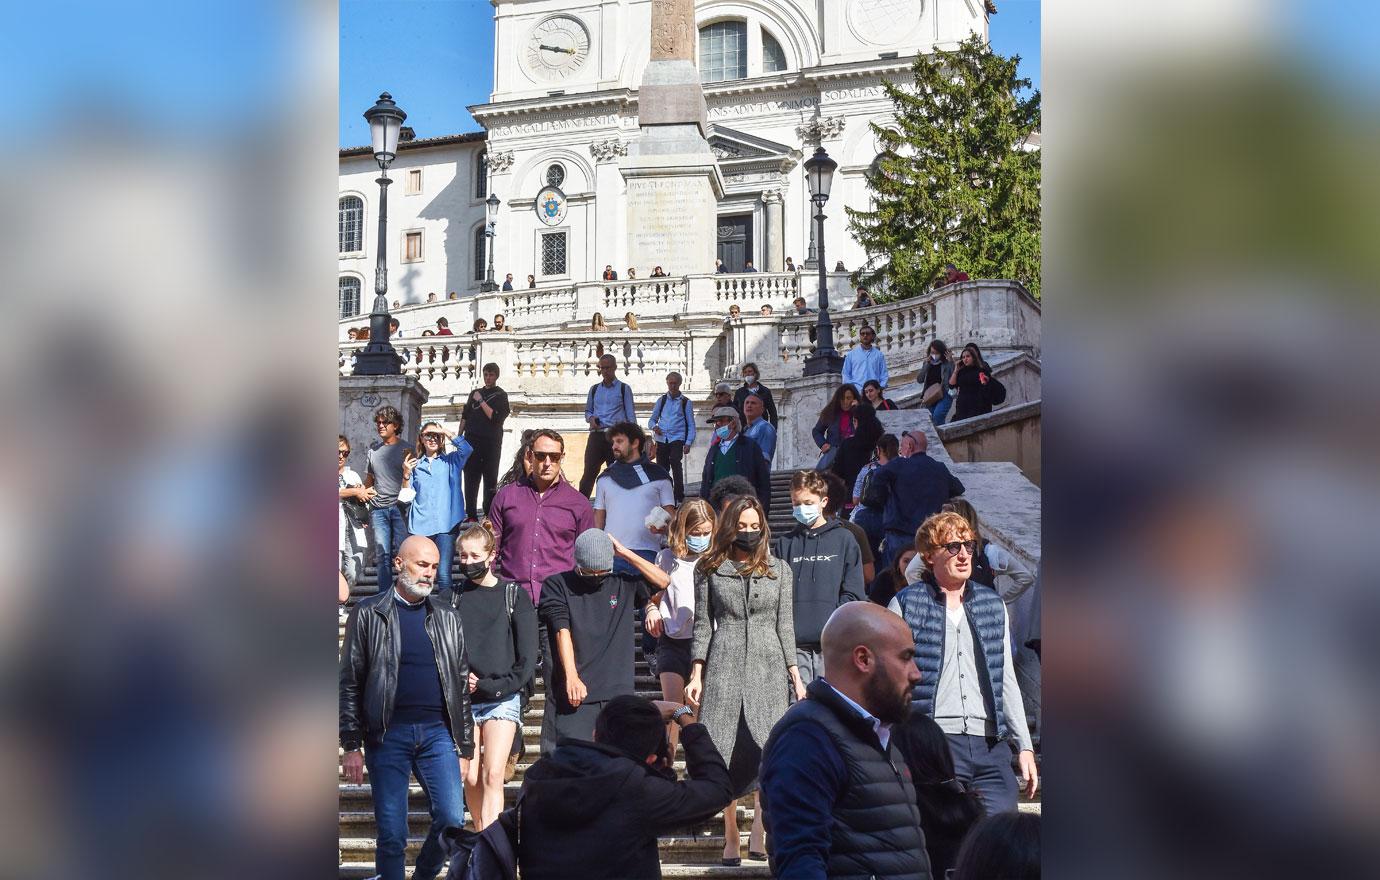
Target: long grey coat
[[745, 633]]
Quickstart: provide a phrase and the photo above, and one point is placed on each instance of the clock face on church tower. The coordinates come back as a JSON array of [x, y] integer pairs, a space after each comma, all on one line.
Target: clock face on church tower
[[557, 47]]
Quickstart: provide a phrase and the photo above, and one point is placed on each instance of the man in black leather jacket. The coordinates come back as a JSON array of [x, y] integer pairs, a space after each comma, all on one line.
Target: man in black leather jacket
[[404, 696]]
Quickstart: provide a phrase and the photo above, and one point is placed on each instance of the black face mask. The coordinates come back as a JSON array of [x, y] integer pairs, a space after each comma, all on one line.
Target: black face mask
[[595, 580], [474, 571], [747, 540]]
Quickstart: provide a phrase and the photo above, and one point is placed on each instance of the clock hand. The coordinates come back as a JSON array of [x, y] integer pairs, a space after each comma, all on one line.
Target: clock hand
[[556, 49]]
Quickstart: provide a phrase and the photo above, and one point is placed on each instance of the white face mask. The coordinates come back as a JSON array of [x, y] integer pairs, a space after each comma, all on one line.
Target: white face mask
[[934, 358], [697, 543]]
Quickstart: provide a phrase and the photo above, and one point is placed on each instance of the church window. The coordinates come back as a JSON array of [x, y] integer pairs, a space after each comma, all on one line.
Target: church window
[[479, 253], [351, 225], [553, 253], [773, 56], [723, 51], [412, 247], [349, 296], [555, 175], [481, 177]]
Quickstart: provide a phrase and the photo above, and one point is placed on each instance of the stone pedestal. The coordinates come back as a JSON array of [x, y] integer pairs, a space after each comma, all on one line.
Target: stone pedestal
[[672, 204], [672, 177], [361, 397]]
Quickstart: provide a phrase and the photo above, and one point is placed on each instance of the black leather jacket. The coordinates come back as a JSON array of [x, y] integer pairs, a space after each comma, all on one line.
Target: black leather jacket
[[369, 670]]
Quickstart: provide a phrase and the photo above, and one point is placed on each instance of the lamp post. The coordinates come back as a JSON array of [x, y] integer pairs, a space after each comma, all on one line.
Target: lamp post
[[819, 171], [491, 206], [379, 358]]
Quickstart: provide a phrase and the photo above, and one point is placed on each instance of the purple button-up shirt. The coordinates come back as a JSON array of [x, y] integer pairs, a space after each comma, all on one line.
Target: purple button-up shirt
[[536, 533]]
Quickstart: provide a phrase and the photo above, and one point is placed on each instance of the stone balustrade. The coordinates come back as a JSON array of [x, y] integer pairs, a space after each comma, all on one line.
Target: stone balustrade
[[752, 289], [684, 330]]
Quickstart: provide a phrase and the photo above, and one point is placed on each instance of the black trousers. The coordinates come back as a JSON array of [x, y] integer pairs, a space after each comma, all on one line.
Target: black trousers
[[669, 455], [481, 465], [598, 452]]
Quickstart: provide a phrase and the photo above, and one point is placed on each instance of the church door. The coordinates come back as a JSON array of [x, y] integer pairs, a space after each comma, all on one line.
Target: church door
[[735, 241]]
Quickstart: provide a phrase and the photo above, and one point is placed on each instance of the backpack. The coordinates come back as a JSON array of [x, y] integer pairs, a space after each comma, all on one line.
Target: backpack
[[490, 854], [873, 495]]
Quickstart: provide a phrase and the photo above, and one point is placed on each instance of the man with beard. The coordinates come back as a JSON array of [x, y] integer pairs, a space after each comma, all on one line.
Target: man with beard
[[836, 794], [404, 696]]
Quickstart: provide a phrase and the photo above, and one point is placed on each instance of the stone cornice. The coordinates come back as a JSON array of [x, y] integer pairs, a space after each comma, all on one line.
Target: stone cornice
[[547, 104], [858, 69]]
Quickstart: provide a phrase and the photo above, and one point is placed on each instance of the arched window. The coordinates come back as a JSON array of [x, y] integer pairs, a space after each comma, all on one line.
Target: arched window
[[349, 296], [481, 177], [723, 51], [555, 175], [479, 253], [351, 224], [773, 56]]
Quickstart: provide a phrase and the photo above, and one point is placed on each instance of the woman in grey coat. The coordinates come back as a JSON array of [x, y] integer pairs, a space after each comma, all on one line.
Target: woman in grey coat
[[743, 654]]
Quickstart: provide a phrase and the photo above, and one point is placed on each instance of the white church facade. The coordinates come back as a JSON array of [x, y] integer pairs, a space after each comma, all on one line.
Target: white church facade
[[780, 77]]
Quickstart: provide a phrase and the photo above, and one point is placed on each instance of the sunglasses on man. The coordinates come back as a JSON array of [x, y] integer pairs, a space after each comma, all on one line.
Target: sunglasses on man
[[953, 547]]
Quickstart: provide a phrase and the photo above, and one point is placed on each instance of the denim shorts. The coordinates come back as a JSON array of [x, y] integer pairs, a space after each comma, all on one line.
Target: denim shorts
[[506, 709]]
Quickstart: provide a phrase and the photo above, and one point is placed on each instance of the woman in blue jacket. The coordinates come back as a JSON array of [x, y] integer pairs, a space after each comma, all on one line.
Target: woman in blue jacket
[[432, 483]]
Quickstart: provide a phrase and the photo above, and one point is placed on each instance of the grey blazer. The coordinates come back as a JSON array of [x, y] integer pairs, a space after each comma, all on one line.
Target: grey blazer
[[745, 634]]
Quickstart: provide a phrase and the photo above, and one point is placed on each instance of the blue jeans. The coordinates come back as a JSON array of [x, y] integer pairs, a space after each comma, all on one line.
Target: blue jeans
[[428, 751], [445, 543], [870, 521], [390, 530], [983, 765], [893, 545], [940, 411]]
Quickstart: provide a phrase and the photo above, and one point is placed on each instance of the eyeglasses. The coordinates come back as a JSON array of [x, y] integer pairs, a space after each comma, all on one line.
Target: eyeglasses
[[953, 547], [432, 436], [548, 456]]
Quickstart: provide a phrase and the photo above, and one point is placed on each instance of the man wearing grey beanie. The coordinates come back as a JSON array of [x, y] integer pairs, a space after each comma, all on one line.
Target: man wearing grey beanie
[[589, 622]]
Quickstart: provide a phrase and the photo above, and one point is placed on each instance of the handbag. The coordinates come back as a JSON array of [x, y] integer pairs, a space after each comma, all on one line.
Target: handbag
[[356, 511], [490, 854], [932, 395]]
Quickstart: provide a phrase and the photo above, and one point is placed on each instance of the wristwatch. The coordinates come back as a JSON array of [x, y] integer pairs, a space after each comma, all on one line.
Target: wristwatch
[[681, 712]]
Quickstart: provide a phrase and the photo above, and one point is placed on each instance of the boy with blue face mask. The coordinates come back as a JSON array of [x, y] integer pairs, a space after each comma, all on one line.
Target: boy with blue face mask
[[826, 564]]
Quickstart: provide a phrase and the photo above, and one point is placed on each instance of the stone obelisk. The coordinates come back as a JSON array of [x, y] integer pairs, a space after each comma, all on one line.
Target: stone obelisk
[[673, 179]]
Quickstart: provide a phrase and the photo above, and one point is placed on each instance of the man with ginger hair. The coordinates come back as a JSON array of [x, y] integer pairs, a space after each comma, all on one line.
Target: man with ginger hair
[[963, 652], [836, 794]]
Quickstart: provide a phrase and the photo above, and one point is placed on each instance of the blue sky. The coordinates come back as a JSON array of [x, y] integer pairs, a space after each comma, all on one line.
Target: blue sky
[[446, 61]]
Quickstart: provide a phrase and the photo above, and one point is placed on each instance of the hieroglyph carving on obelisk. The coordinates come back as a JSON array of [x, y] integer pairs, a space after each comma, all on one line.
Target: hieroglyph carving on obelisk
[[673, 30]]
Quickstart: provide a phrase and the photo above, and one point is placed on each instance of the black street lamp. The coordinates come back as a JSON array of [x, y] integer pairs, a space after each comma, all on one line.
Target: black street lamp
[[491, 206], [379, 358], [819, 171]]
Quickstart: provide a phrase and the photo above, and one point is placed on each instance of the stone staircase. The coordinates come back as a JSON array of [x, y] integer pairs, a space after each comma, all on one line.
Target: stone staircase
[[691, 852]]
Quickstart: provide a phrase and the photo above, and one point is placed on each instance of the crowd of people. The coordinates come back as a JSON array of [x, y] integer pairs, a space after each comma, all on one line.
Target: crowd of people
[[859, 676]]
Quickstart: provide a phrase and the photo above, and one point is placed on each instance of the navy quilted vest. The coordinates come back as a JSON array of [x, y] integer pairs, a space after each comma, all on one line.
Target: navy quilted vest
[[922, 606]]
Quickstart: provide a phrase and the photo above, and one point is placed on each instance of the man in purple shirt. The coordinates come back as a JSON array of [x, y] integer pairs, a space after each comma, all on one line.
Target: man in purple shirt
[[537, 518]]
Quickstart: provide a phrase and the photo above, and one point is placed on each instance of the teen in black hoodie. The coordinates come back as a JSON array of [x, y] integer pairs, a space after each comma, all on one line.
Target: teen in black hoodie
[[826, 565]]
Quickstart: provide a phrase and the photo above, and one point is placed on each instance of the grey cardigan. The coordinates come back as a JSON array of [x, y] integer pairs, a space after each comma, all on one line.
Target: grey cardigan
[[745, 634]]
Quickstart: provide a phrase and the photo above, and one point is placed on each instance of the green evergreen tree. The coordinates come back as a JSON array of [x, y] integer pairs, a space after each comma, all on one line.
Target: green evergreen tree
[[952, 183]]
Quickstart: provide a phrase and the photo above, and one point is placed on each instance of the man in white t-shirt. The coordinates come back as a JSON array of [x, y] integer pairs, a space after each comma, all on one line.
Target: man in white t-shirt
[[625, 493], [630, 489]]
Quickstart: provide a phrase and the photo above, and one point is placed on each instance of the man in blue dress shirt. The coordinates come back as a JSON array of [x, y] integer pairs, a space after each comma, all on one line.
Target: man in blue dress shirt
[[673, 426], [758, 428], [864, 361], [609, 402]]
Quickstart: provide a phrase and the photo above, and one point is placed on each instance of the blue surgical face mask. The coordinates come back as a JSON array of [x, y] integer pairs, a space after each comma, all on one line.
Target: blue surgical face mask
[[805, 514], [722, 432], [697, 543], [934, 358]]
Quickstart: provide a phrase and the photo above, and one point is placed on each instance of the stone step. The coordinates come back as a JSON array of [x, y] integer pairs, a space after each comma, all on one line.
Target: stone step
[[749, 869], [685, 848]]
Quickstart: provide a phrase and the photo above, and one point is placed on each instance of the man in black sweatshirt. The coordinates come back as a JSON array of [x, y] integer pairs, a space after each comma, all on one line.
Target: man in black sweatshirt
[[826, 566], [589, 622], [593, 810]]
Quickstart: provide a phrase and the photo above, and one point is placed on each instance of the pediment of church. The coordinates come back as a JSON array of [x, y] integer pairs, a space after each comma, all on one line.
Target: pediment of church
[[734, 147]]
